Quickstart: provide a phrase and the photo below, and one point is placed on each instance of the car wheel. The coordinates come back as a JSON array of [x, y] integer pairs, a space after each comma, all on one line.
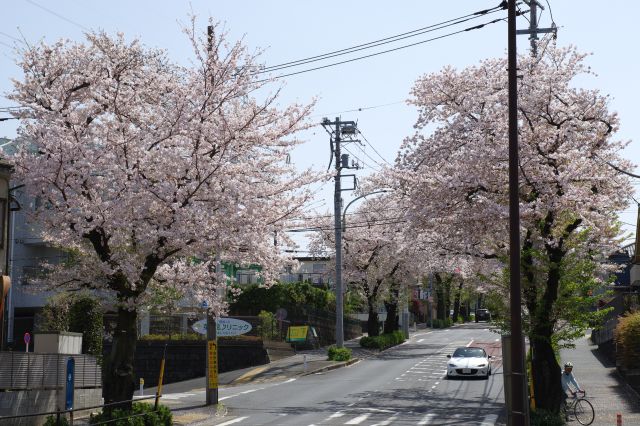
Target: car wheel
[[489, 372]]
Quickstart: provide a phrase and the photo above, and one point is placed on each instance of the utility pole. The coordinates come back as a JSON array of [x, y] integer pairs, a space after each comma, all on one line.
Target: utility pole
[[337, 130], [518, 404], [533, 30]]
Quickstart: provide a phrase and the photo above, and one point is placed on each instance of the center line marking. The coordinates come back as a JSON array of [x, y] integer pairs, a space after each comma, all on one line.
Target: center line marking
[[358, 419], [230, 422]]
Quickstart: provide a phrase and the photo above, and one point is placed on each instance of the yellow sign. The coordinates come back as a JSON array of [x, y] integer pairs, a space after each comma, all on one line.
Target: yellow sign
[[212, 364], [298, 333]]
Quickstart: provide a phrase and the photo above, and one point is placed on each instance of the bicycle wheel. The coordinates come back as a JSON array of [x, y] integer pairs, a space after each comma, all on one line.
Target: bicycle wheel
[[584, 412]]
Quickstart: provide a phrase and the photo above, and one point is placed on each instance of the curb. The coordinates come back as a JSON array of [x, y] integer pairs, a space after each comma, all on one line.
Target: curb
[[332, 367]]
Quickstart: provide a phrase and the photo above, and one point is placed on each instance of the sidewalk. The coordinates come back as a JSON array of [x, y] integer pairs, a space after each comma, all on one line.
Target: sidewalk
[[606, 390]]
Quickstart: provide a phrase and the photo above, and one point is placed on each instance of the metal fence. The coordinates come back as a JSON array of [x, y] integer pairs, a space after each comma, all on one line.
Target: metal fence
[[27, 371]]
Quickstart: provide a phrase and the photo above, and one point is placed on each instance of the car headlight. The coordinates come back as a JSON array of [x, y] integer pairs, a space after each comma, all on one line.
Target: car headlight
[[482, 365], [452, 365]]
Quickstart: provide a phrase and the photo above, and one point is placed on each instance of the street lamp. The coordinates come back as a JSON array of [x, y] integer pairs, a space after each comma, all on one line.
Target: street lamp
[[344, 213]]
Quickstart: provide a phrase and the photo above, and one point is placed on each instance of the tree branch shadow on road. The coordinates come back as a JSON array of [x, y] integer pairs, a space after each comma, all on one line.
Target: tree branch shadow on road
[[412, 404], [415, 351]]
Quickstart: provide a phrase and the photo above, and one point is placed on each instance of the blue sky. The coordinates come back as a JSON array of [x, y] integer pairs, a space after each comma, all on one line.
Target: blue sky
[[290, 30]]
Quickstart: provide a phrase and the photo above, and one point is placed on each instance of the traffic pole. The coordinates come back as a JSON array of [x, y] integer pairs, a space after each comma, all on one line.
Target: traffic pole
[[518, 388]]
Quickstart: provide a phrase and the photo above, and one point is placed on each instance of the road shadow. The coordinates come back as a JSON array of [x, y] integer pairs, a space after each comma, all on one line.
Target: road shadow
[[413, 404]]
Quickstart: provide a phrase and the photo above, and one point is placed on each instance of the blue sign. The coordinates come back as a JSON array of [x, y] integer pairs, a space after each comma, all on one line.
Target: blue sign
[[71, 367]]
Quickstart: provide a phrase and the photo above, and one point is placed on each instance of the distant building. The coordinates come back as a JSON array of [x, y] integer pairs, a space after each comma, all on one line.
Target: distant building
[[313, 270]]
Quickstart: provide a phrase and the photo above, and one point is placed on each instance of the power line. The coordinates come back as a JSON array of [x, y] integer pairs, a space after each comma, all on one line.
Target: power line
[[358, 109], [58, 15], [365, 225], [361, 161], [550, 13], [477, 27], [372, 147], [383, 41], [11, 37]]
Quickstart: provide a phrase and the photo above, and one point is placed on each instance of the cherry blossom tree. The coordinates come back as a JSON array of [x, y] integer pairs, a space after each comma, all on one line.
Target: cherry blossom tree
[[147, 170], [377, 258], [454, 171]]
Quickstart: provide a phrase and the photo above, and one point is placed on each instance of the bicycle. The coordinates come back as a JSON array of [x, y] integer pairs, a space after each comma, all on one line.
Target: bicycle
[[581, 408]]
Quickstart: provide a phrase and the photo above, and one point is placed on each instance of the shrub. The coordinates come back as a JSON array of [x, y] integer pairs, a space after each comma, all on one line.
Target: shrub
[[141, 414], [268, 328], [442, 323], [78, 313], [86, 317], [542, 417], [339, 354], [627, 338], [52, 421], [383, 341]]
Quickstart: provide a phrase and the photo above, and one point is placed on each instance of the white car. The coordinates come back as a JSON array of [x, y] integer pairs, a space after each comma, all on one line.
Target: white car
[[469, 362]]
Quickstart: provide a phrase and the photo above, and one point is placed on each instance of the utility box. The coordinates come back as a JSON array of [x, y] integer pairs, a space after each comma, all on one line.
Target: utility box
[[62, 342]]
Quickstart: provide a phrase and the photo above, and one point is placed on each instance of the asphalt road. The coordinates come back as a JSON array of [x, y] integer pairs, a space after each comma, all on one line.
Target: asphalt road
[[405, 385]]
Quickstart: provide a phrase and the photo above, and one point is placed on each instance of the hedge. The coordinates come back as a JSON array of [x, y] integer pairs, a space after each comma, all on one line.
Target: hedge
[[383, 341], [627, 338]]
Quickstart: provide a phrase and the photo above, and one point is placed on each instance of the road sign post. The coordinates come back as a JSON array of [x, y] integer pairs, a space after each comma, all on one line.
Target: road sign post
[[212, 361], [69, 388]]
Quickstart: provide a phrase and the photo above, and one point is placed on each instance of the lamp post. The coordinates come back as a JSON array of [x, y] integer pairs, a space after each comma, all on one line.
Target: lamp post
[[344, 213]]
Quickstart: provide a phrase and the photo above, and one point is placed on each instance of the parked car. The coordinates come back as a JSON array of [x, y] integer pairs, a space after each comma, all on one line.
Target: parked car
[[483, 315], [469, 362]]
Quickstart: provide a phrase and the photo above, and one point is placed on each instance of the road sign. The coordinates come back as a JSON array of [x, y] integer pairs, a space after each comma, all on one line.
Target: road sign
[[71, 366], [224, 327], [200, 327], [212, 374], [231, 327], [297, 333]]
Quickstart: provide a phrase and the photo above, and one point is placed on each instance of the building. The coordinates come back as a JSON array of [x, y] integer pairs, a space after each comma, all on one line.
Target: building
[[313, 270]]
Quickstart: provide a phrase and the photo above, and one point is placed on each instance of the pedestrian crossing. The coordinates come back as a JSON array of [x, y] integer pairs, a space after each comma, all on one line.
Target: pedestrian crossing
[[376, 418]]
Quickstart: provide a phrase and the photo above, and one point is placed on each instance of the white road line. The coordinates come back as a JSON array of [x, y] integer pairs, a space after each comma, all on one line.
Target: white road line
[[490, 420], [387, 422], [335, 415], [230, 422], [174, 396], [426, 419], [420, 340], [497, 340], [358, 419], [238, 394], [469, 344]]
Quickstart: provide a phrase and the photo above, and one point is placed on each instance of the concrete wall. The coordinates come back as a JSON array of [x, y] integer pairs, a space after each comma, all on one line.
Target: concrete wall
[[187, 360]]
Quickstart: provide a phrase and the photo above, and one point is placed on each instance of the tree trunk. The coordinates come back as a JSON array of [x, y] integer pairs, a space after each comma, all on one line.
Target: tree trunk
[[119, 375], [373, 325], [393, 322], [440, 298], [546, 373], [545, 369], [456, 302]]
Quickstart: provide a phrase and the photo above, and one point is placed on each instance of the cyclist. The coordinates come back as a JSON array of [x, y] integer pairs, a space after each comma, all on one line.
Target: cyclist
[[568, 380]]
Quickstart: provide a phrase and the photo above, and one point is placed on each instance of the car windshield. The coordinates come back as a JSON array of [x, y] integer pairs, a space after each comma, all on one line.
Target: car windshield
[[469, 353]]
